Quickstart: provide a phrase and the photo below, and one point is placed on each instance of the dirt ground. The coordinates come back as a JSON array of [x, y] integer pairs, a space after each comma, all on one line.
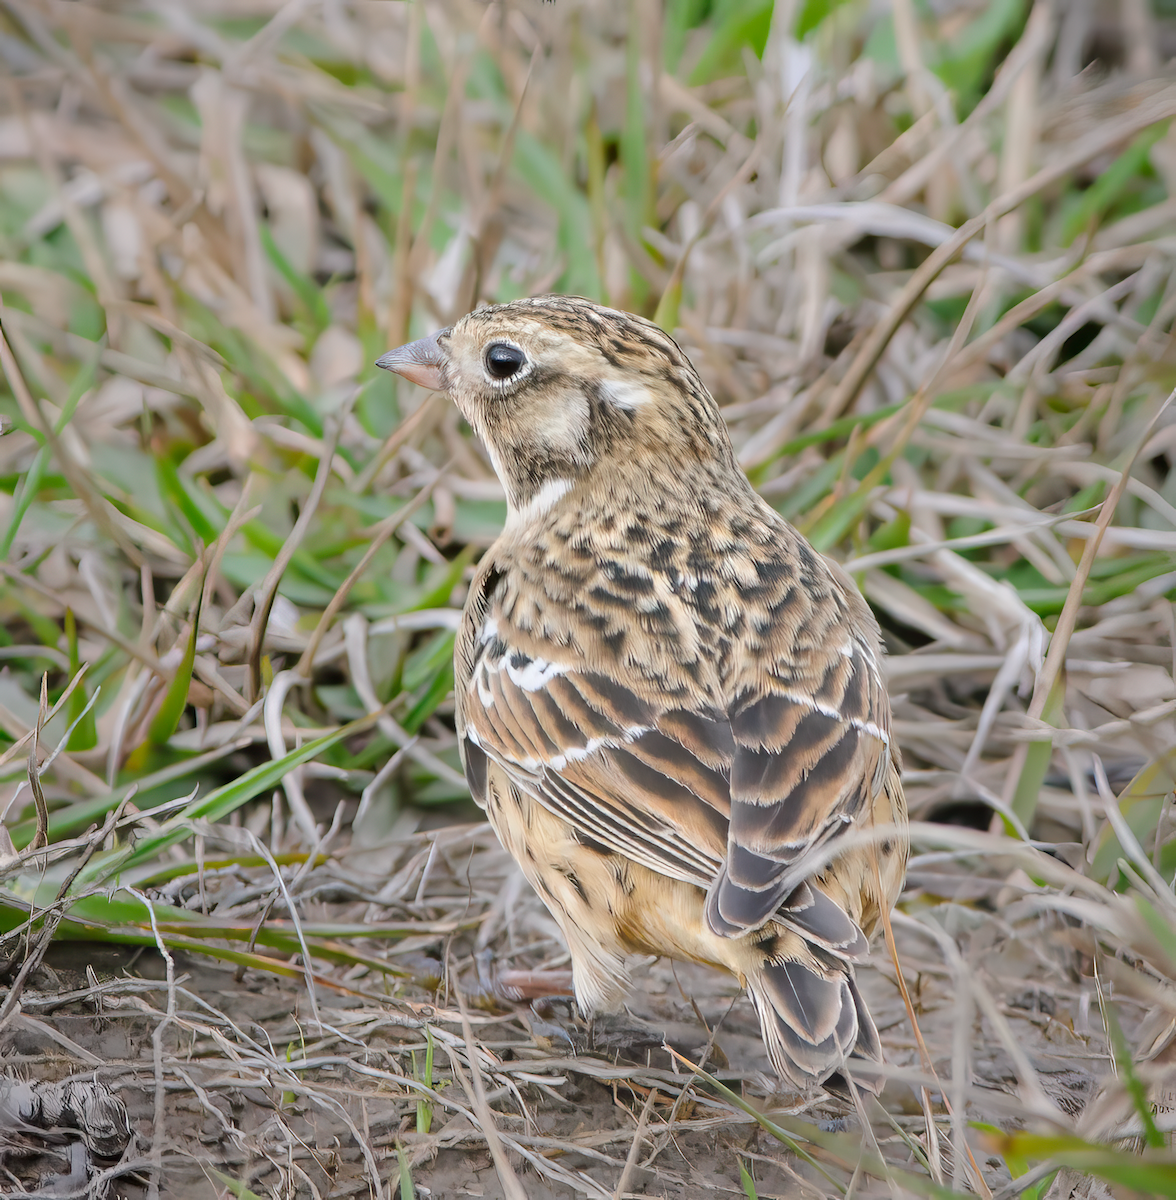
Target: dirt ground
[[252, 1090]]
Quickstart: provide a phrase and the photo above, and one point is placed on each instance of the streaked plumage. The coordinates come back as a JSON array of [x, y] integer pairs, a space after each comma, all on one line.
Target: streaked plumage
[[669, 704]]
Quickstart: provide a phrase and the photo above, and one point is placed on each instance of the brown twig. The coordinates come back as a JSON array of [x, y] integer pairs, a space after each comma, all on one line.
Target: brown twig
[[635, 1148], [511, 1185], [924, 1054], [41, 838]]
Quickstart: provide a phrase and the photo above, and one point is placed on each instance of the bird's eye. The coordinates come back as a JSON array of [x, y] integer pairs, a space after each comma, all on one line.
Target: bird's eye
[[504, 360]]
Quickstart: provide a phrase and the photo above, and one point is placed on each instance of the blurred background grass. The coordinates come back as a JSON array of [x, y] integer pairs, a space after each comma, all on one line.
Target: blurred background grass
[[234, 552]]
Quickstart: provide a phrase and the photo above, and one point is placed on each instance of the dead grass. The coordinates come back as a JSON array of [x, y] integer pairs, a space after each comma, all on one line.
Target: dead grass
[[923, 255]]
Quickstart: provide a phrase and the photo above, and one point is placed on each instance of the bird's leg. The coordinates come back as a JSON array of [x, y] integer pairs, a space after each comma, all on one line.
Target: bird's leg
[[513, 985]]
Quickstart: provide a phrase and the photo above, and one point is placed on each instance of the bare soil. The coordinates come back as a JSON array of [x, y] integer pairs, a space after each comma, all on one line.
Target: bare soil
[[251, 1090]]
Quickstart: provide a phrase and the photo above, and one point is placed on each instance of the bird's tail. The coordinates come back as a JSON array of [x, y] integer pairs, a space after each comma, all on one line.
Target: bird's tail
[[816, 1026]]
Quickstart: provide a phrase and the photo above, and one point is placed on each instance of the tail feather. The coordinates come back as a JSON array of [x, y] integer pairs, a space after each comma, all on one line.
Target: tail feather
[[815, 1026], [811, 1005], [823, 922], [868, 1045]]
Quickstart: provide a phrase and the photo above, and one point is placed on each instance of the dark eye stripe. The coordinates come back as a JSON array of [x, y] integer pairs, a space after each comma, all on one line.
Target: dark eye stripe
[[504, 360]]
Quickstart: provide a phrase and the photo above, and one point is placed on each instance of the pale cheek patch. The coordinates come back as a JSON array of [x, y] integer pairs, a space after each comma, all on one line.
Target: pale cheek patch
[[624, 393], [561, 427]]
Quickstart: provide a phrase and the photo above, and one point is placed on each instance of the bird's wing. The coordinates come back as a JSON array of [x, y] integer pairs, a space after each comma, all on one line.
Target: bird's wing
[[635, 777], [811, 753], [732, 800]]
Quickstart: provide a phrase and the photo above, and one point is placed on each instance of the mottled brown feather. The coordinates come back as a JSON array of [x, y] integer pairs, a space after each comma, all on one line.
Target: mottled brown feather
[[670, 705]]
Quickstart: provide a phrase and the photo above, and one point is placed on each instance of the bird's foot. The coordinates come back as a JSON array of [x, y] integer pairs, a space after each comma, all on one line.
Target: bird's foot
[[621, 1036], [555, 1025], [555, 1022]]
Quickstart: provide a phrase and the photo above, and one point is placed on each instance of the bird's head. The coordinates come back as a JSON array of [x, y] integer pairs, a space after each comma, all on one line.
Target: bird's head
[[558, 386]]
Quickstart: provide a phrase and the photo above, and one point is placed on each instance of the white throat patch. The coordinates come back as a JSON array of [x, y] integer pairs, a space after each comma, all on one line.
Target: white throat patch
[[539, 504]]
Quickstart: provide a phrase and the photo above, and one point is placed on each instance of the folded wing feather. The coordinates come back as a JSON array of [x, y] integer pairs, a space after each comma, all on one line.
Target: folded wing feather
[[732, 801]]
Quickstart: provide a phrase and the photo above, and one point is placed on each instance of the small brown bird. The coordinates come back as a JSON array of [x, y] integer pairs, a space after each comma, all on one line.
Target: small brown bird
[[670, 706]]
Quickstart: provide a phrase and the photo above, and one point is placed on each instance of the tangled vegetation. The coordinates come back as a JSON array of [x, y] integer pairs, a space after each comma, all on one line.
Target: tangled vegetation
[[923, 255]]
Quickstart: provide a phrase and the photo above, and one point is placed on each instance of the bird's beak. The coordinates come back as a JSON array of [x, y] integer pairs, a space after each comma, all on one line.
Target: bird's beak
[[422, 361]]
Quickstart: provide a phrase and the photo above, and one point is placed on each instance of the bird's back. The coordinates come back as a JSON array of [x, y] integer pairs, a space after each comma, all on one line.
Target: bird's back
[[697, 605]]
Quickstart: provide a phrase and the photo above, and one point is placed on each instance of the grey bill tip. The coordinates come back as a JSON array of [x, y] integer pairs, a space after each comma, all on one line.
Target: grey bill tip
[[421, 362]]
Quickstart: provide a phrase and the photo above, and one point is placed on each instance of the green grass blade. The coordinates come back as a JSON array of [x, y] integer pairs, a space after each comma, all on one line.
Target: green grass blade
[[745, 24], [669, 306], [747, 1182], [83, 381], [1141, 803], [424, 1112], [541, 172], [84, 812], [219, 803], [638, 173], [970, 57], [1132, 1084], [30, 485], [1161, 930], [813, 13], [1150, 1173], [840, 519], [173, 491], [1107, 188], [407, 1190], [836, 429], [175, 700], [235, 1186], [1037, 759], [308, 292]]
